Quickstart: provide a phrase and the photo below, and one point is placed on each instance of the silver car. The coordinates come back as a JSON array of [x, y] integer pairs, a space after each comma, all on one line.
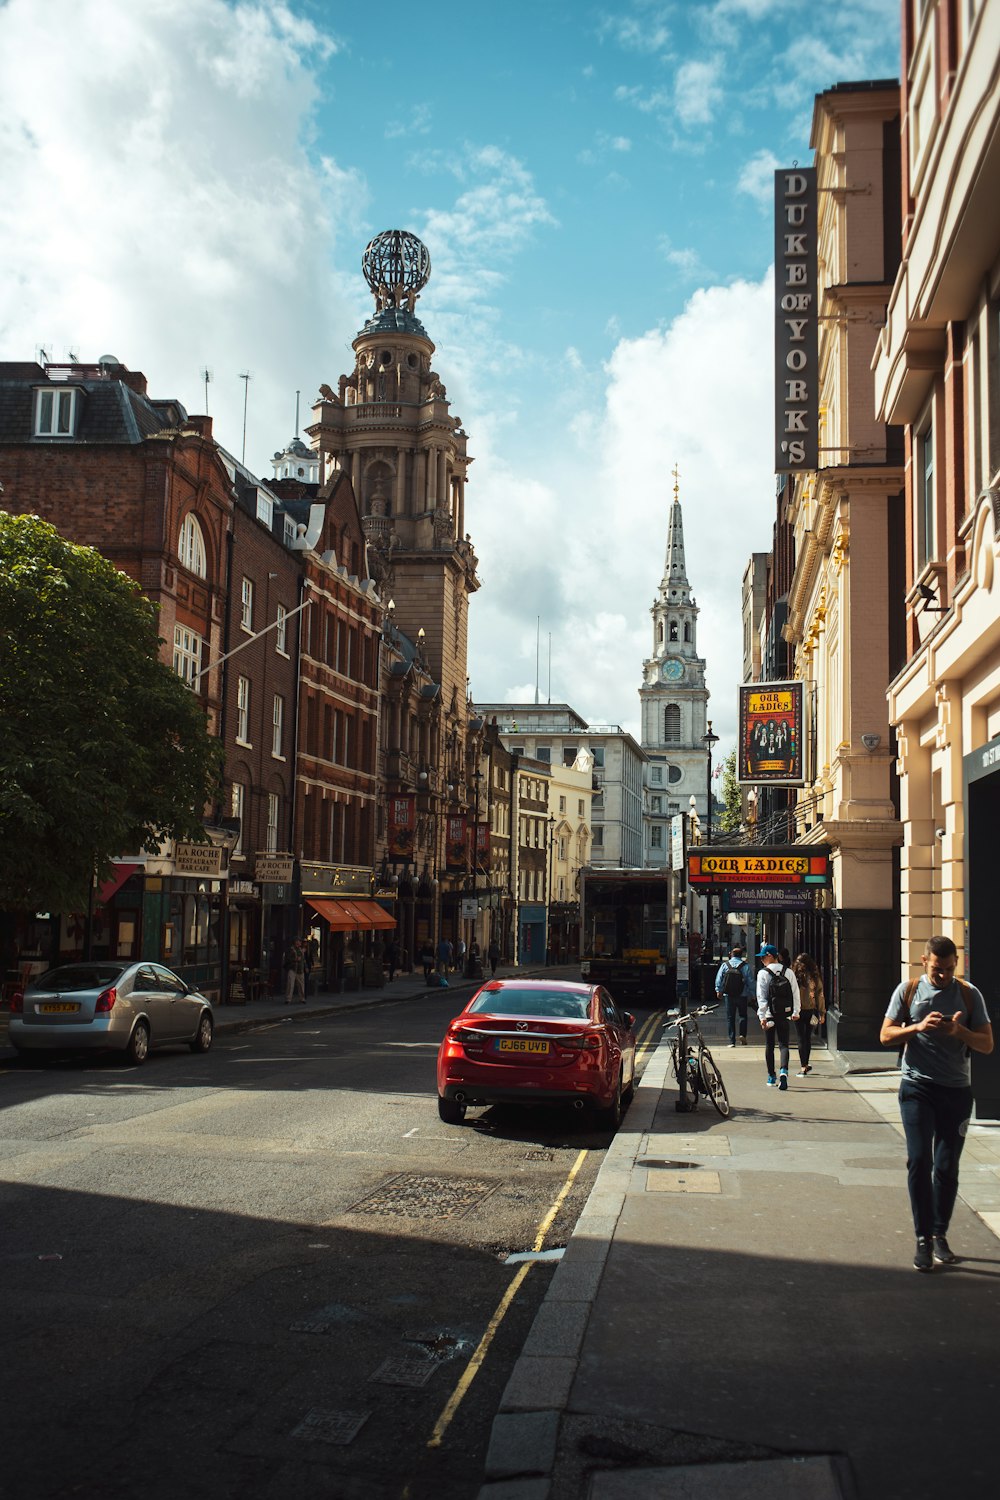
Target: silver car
[[103, 1004]]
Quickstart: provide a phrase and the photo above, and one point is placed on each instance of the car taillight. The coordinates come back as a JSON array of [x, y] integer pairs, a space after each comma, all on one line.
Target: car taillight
[[106, 1001], [17, 1003], [589, 1043]]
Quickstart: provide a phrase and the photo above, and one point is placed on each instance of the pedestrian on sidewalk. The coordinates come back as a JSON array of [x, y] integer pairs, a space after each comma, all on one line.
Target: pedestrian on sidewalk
[[777, 1003], [734, 984], [427, 959], [392, 959], [460, 955], [941, 1020], [812, 1007], [295, 970], [493, 954], [445, 955]]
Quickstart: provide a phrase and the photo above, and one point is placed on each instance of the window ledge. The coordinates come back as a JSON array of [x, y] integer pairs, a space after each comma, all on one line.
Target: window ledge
[[245, 744]]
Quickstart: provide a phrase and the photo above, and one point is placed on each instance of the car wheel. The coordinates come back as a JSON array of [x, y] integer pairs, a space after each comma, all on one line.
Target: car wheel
[[451, 1112], [138, 1044], [203, 1038], [610, 1117]]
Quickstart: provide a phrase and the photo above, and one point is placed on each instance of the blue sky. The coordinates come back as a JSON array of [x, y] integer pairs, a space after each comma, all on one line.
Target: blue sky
[[193, 182]]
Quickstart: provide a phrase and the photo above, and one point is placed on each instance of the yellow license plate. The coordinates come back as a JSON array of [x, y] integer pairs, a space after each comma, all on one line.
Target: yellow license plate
[[62, 1008], [522, 1044]]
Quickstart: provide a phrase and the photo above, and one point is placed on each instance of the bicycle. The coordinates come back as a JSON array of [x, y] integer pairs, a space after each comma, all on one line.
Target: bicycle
[[694, 1066]]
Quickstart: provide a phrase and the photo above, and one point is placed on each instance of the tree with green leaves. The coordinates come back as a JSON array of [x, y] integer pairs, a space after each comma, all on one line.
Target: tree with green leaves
[[103, 750], [731, 815]]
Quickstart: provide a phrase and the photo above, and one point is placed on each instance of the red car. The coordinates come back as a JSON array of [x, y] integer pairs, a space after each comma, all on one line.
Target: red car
[[527, 1041]]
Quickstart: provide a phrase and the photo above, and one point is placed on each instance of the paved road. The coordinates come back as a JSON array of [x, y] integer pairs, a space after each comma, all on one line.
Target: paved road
[[214, 1268]]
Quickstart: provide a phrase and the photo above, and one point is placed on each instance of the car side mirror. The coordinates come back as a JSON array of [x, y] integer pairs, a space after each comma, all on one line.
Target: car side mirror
[[629, 1019]]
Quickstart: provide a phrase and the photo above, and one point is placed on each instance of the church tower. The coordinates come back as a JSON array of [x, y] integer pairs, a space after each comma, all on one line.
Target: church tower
[[673, 701], [389, 425]]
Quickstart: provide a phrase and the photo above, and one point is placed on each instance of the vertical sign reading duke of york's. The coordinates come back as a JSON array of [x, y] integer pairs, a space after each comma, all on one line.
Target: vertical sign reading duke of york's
[[796, 361]]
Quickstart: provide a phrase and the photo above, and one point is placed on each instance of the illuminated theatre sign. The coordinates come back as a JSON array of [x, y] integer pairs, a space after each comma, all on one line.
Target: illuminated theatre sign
[[796, 347], [788, 867]]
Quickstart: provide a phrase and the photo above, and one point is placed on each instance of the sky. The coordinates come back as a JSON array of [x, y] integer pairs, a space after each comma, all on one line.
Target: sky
[[190, 185]]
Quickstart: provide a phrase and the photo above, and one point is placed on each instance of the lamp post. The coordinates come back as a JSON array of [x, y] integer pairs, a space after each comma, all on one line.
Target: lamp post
[[710, 740], [548, 885]]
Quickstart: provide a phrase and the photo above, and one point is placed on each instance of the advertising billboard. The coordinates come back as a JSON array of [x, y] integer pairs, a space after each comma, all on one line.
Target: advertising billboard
[[772, 734]]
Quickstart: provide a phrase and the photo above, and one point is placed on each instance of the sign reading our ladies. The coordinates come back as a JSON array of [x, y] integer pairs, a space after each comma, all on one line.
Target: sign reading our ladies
[[796, 359]]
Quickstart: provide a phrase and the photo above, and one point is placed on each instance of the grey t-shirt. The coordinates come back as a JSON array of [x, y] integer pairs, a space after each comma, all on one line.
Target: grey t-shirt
[[938, 1059]]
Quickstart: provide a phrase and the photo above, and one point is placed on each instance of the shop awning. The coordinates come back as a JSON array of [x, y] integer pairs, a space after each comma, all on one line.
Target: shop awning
[[114, 883], [352, 916]]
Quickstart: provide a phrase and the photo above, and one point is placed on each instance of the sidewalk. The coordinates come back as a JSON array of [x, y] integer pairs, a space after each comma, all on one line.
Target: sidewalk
[[736, 1314]]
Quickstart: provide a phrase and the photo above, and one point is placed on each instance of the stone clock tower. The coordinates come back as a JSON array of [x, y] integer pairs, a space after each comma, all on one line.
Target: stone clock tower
[[674, 701]]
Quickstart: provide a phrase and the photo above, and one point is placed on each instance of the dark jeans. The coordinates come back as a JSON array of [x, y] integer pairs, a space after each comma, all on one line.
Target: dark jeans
[[934, 1120], [736, 1005], [779, 1032], [805, 1030]]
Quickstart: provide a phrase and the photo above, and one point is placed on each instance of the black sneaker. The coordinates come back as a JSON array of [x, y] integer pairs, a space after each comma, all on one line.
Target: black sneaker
[[922, 1258], [942, 1251], [782, 1079]]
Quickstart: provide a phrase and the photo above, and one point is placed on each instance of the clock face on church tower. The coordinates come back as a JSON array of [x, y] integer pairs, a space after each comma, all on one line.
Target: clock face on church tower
[[672, 670]]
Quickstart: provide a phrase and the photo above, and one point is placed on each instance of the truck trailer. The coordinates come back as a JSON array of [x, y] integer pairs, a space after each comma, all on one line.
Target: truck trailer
[[627, 941]]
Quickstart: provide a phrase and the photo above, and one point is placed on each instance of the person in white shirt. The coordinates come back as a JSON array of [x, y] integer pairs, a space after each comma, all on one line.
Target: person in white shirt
[[778, 1005]]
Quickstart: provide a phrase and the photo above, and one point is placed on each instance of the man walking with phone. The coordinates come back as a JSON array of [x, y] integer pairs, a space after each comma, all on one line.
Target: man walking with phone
[[940, 1021]]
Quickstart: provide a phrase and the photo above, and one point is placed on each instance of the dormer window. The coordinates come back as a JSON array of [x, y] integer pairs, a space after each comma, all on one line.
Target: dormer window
[[55, 412]]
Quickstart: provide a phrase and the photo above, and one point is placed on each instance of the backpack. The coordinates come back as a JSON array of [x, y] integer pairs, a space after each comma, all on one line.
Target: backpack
[[779, 996], [732, 984]]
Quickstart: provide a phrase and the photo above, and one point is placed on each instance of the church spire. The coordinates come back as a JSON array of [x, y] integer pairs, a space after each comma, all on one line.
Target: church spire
[[674, 585]]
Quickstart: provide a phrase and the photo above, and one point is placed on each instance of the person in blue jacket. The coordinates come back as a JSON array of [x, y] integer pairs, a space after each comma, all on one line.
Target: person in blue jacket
[[734, 983]]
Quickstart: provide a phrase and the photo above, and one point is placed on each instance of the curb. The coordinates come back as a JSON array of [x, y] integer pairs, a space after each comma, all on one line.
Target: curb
[[524, 1439]]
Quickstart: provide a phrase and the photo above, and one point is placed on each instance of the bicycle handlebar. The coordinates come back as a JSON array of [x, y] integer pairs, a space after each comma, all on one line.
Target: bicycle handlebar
[[702, 1010]]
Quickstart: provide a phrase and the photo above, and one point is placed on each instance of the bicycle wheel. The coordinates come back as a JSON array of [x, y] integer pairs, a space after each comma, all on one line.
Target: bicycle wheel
[[712, 1084]]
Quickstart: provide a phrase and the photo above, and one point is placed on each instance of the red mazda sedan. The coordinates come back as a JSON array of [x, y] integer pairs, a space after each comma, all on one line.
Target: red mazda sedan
[[534, 1041]]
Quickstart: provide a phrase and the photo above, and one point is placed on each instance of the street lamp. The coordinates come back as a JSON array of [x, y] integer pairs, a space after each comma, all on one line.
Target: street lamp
[[548, 884], [710, 740]]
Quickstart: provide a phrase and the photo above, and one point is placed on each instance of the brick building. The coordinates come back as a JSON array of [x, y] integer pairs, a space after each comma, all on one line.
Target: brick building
[[87, 449]]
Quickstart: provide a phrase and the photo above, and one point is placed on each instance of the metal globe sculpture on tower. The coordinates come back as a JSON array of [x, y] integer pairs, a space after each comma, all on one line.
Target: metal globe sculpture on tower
[[397, 267]]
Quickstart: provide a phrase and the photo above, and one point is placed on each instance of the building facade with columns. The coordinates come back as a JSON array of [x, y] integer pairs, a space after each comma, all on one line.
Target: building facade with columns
[[844, 603], [937, 375]]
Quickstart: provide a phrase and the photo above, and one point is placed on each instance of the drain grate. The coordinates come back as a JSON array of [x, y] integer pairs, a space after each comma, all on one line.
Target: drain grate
[[336, 1427], [412, 1370], [417, 1197]]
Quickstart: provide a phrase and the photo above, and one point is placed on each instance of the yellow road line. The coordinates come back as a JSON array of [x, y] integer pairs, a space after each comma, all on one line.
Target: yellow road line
[[472, 1368], [644, 1040]]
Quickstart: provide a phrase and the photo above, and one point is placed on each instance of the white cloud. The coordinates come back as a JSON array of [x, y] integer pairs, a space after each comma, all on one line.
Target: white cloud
[[419, 122], [584, 548], [159, 205], [697, 92], [757, 178], [647, 33]]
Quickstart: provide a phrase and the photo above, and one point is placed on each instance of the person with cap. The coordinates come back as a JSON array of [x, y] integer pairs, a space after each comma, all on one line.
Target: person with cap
[[777, 1005], [734, 985]]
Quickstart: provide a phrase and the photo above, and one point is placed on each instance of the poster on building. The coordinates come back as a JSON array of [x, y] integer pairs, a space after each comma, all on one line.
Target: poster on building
[[796, 343], [401, 826], [771, 734], [455, 850], [482, 846]]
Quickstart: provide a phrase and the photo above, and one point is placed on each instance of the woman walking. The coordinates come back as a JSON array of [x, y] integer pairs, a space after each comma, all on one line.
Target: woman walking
[[812, 1007]]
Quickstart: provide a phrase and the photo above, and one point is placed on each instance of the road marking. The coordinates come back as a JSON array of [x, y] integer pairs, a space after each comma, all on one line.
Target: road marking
[[472, 1369], [408, 1133]]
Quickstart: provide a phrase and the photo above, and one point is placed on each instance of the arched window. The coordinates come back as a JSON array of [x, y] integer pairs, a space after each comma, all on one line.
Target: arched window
[[672, 724], [191, 546], [687, 633], [673, 630]]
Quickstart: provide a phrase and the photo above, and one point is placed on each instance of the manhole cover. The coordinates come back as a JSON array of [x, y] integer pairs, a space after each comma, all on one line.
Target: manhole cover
[[336, 1427], [417, 1197], [414, 1371]]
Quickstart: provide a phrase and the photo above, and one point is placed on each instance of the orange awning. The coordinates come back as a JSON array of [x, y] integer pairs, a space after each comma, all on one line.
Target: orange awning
[[352, 915]]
